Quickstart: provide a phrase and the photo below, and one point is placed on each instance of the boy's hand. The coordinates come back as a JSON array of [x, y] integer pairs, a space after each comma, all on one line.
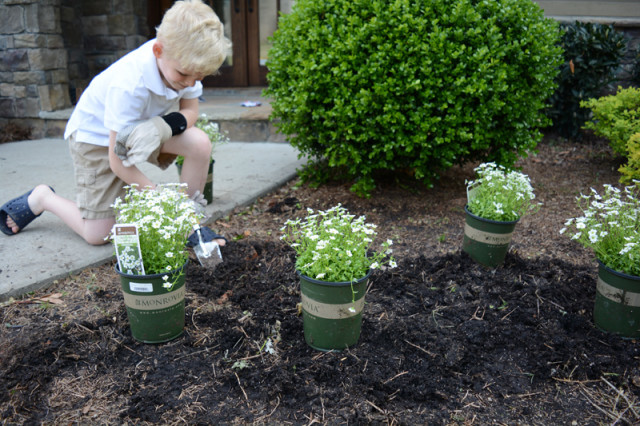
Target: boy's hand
[[136, 143]]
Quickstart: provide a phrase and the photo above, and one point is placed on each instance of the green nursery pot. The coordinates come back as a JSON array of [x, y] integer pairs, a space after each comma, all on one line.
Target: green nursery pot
[[332, 312], [617, 307], [155, 314], [208, 186], [487, 241]]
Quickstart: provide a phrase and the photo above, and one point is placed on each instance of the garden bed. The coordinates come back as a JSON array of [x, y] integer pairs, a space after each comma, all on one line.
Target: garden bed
[[444, 340]]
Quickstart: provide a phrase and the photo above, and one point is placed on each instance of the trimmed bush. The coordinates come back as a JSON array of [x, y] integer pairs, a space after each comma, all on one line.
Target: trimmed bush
[[631, 170], [592, 55], [411, 84], [617, 118]]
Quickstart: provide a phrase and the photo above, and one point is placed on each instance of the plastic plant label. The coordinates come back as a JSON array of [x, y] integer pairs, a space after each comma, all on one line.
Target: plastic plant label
[[141, 287], [127, 245]]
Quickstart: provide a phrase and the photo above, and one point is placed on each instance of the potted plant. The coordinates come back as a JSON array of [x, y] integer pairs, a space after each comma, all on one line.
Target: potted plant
[[610, 226], [334, 263], [496, 201], [217, 138], [150, 237]]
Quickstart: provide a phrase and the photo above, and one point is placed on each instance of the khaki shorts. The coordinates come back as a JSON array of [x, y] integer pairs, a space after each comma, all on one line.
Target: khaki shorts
[[97, 186]]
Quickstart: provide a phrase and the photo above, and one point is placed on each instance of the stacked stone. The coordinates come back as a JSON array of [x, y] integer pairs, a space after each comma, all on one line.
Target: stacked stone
[[50, 50], [33, 68]]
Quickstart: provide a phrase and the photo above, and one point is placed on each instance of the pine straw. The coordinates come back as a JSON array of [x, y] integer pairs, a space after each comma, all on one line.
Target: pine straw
[[619, 405]]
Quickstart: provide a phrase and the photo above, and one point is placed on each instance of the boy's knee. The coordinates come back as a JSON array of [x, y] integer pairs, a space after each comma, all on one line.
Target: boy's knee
[[95, 240], [96, 232], [203, 144]]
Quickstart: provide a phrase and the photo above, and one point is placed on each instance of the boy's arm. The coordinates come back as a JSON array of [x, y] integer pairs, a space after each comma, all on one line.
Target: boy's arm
[[189, 108], [127, 174], [134, 143]]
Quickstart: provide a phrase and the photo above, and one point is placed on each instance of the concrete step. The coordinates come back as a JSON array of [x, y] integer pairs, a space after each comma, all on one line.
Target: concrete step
[[223, 106]]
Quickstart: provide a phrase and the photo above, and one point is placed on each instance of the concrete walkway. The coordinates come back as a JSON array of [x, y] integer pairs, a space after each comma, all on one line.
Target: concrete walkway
[[47, 250]]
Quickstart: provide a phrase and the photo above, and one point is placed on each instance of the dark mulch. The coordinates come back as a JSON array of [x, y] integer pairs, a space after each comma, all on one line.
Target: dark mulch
[[444, 340]]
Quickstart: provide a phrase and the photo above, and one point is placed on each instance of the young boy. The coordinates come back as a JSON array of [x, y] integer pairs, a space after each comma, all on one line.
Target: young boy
[[141, 108]]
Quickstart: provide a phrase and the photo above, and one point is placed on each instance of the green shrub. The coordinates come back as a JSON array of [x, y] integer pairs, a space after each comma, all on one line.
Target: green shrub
[[631, 170], [419, 84], [592, 54], [617, 118]]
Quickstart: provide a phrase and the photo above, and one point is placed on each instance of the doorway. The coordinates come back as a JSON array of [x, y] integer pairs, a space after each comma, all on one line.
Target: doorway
[[248, 24]]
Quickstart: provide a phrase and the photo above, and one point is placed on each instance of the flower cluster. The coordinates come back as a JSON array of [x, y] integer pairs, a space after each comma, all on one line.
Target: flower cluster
[[333, 245], [499, 194], [610, 225], [212, 130], [164, 216]]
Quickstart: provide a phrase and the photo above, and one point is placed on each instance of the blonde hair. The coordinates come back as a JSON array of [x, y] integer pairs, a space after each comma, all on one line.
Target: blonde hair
[[192, 34]]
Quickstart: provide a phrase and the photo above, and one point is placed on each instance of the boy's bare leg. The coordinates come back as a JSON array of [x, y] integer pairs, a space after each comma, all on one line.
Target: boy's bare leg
[[44, 199], [195, 147]]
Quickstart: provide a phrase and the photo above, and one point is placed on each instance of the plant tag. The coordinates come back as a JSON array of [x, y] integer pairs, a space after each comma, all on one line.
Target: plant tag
[[141, 287], [127, 245], [471, 193]]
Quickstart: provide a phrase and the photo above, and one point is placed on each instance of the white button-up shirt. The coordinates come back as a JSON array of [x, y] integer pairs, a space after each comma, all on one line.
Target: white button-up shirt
[[129, 91]]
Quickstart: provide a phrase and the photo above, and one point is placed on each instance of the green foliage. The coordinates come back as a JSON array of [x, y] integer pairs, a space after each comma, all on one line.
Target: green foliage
[[615, 117], [418, 84], [631, 170], [592, 55]]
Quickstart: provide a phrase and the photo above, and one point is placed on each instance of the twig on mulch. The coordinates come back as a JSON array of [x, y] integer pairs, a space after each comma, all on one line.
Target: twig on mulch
[[619, 406], [54, 298]]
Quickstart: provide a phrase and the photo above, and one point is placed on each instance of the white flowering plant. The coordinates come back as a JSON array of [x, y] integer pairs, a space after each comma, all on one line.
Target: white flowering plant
[[164, 217], [333, 245], [610, 226], [500, 194], [212, 130]]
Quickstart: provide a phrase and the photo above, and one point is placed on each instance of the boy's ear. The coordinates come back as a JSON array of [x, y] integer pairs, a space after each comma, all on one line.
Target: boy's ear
[[157, 49]]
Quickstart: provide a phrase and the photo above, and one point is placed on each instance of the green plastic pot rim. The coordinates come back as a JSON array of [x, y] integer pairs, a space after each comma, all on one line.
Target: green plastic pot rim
[[131, 276], [618, 273], [502, 222], [334, 283]]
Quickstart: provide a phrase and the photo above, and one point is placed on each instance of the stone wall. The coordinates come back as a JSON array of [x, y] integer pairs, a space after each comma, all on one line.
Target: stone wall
[[50, 49], [33, 68]]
